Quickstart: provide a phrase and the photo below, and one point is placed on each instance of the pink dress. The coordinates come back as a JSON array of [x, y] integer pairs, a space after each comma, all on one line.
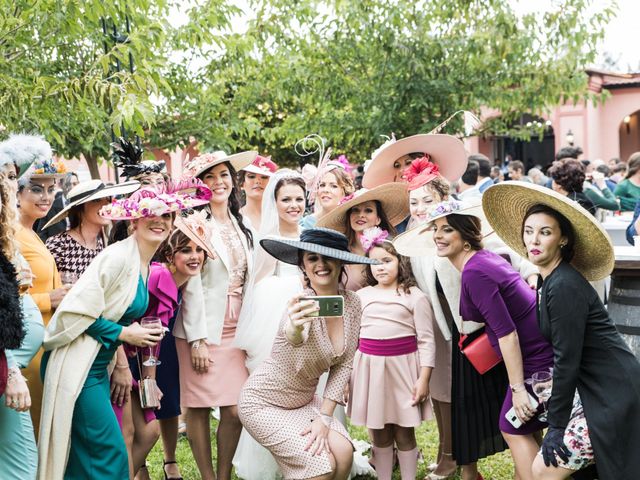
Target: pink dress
[[278, 401], [382, 384], [220, 386]]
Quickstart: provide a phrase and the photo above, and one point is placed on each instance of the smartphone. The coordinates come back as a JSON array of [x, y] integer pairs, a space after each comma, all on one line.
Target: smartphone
[[511, 416], [330, 306]]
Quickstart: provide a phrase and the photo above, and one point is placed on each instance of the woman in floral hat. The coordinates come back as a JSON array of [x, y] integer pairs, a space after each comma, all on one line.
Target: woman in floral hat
[[80, 436]]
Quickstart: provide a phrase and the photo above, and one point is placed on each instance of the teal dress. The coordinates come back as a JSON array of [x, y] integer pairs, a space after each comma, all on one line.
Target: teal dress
[[18, 454], [97, 447]]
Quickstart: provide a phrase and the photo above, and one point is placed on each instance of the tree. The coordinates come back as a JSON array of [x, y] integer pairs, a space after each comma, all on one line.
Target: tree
[[63, 77], [352, 71]]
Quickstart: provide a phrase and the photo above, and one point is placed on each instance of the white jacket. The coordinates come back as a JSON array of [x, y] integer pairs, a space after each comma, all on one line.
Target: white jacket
[[203, 319]]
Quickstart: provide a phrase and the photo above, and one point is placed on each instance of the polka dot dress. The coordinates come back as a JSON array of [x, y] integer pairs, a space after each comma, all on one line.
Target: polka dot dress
[[278, 401]]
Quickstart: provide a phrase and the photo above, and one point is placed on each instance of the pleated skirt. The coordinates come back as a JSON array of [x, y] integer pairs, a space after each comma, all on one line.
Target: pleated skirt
[[476, 404]]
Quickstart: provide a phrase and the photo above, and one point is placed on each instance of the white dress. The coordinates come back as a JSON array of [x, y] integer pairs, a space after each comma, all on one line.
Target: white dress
[[270, 297]]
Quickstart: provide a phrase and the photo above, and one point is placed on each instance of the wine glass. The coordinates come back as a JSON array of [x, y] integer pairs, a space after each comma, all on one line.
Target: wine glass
[[542, 382], [152, 359]]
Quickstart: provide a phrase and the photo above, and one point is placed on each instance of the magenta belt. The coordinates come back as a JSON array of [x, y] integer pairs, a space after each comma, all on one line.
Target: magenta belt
[[388, 347]]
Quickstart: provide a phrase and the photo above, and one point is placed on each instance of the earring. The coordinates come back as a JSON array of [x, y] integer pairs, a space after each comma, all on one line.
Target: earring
[[172, 268], [466, 247]]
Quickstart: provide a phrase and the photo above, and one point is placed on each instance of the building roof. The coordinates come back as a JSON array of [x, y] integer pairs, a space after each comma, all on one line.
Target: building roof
[[599, 79]]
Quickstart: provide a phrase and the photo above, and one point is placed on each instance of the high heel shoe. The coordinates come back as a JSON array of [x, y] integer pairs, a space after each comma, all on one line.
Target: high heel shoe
[[167, 477]]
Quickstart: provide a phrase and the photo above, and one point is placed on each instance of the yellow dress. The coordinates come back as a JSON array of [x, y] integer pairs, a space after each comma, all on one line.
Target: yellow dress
[[47, 278]]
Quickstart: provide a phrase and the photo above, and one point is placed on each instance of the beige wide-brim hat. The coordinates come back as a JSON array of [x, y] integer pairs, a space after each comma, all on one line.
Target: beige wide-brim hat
[[197, 165], [445, 151], [505, 205], [418, 241], [393, 198], [195, 227], [92, 190]]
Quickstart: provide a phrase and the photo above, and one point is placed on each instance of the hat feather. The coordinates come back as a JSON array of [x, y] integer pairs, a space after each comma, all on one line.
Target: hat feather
[[22, 150]]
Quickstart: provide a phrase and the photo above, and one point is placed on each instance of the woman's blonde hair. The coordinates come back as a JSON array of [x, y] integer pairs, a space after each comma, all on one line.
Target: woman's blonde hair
[[7, 219], [343, 179]]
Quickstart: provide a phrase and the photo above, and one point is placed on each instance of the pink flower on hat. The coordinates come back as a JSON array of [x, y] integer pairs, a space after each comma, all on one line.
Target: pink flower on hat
[[371, 237]]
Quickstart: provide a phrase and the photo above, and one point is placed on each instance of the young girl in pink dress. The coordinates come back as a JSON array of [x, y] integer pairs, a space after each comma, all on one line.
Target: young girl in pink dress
[[394, 360]]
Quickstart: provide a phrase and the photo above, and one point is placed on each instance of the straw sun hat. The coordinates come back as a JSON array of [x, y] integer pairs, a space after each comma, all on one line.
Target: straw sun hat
[[446, 151], [505, 205], [92, 190], [393, 198], [418, 241], [323, 241]]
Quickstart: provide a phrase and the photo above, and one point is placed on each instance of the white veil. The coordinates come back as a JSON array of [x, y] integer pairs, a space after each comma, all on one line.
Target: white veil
[[264, 265]]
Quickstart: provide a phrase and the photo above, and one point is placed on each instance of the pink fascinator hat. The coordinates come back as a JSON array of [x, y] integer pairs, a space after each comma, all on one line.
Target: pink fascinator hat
[[371, 237], [148, 202], [262, 166], [420, 172]]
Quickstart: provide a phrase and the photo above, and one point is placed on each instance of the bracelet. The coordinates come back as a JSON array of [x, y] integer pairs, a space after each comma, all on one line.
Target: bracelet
[[14, 374], [122, 366], [196, 344], [326, 419], [518, 387]]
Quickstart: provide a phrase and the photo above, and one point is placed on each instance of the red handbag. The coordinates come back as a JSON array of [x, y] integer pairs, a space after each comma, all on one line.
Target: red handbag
[[480, 353]]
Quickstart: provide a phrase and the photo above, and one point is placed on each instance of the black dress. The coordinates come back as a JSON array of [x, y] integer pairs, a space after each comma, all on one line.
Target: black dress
[[590, 355], [476, 401]]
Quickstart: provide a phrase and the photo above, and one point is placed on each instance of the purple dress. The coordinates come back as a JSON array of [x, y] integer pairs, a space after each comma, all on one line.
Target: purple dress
[[493, 293]]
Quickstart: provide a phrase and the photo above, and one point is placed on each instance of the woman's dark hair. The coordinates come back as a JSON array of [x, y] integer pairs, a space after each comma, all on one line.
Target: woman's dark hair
[[568, 152], [385, 224], [569, 174], [289, 181], [75, 215], [566, 229], [235, 202], [406, 280], [469, 228]]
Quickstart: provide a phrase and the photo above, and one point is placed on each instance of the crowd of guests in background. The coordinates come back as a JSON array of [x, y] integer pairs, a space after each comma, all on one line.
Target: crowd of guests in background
[[427, 284]]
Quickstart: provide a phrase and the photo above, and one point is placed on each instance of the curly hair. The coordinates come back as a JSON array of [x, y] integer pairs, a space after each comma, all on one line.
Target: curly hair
[[569, 174], [405, 280], [7, 219], [235, 202]]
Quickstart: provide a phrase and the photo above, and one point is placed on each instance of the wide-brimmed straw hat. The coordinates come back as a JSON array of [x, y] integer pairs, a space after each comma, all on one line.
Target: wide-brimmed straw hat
[[323, 241], [92, 190], [505, 205], [418, 241], [195, 227], [197, 165], [446, 151], [393, 198], [262, 166], [154, 202]]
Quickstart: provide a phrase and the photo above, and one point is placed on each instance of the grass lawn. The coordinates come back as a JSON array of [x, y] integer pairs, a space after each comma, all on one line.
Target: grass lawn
[[497, 467]]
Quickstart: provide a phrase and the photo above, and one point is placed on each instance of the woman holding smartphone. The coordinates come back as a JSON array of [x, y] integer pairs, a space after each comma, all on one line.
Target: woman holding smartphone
[[278, 405]]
